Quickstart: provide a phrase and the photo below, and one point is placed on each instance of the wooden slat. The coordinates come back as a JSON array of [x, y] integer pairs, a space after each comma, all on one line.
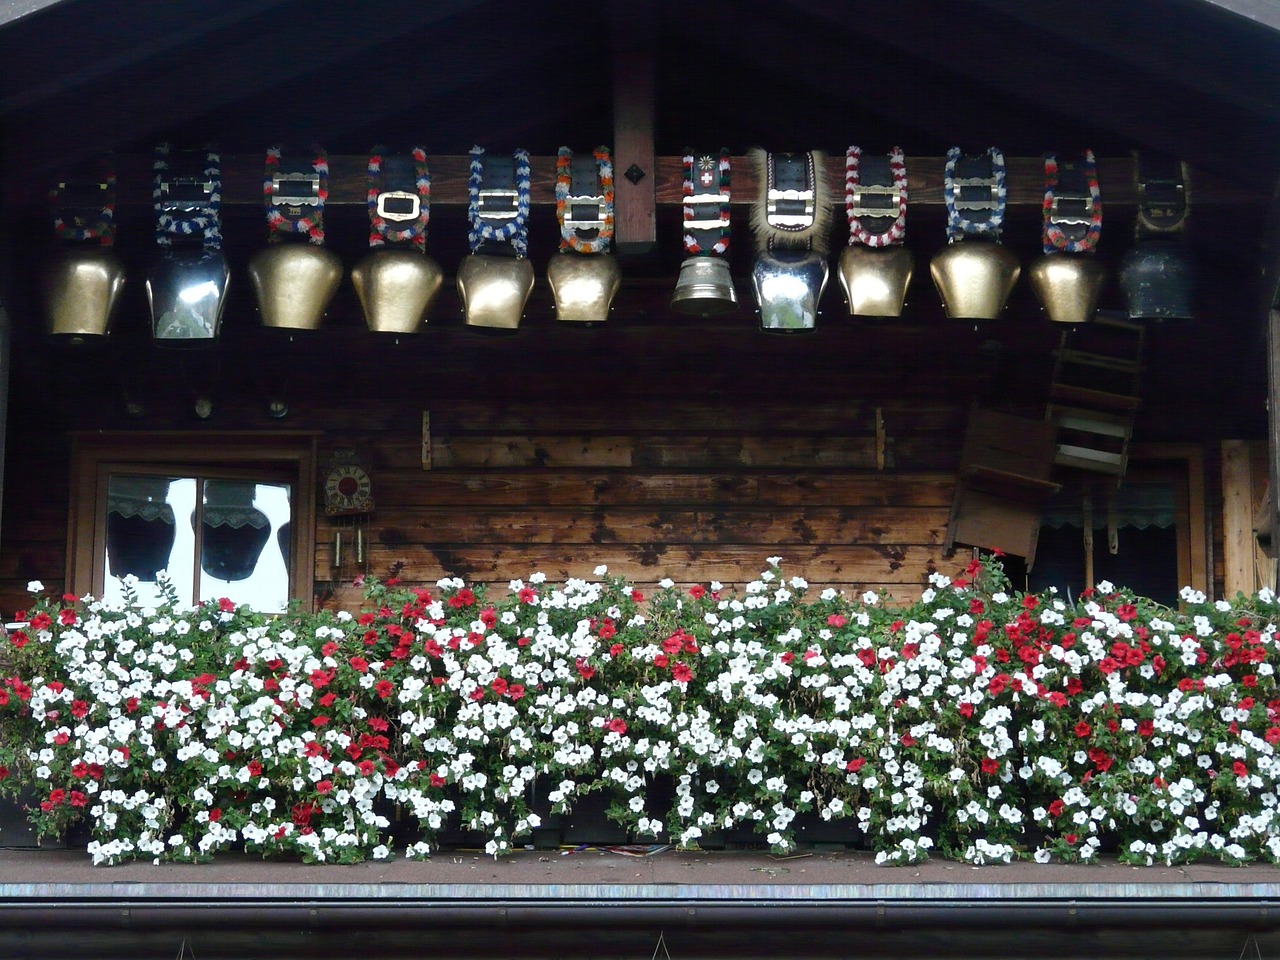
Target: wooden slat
[[564, 525], [724, 562], [347, 596], [1237, 518], [555, 487]]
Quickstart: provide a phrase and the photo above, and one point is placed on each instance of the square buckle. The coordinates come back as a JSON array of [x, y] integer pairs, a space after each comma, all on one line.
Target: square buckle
[[1082, 214], [959, 183], [498, 204], [708, 212], [790, 208], [296, 189], [584, 213], [185, 193], [880, 193], [399, 205]]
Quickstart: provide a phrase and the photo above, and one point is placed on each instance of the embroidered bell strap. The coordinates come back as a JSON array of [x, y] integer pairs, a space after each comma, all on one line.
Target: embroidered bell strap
[[187, 193], [1164, 195], [706, 204], [1072, 205], [584, 200], [791, 205], [875, 197], [294, 193], [399, 198], [975, 193], [498, 207], [84, 207]]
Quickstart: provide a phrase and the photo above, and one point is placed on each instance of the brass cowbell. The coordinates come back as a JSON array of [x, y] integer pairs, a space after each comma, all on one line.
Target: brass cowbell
[[494, 289], [974, 278], [294, 283], [583, 285], [396, 287], [875, 280], [80, 290], [1068, 286]]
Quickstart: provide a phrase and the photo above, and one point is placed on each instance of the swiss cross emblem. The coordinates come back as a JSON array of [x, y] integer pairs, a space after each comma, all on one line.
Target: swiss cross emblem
[[706, 171]]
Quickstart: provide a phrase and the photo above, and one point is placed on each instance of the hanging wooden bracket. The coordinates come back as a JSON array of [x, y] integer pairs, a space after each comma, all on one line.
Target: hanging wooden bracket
[[426, 439]]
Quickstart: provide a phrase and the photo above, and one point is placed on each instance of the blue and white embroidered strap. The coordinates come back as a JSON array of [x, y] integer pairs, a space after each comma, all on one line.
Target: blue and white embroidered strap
[[187, 194], [975, 194], [499, 212]]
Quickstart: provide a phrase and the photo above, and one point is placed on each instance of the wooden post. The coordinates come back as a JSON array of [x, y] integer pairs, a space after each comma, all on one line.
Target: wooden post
[[1237, 519], [1273, 421], [635, 210]]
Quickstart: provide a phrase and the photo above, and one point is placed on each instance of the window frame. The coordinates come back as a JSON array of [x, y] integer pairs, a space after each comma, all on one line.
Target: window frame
[[277, 456]]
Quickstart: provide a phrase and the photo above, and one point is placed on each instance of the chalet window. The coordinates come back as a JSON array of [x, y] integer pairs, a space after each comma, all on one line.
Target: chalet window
[[223, 515], [1147, 534]]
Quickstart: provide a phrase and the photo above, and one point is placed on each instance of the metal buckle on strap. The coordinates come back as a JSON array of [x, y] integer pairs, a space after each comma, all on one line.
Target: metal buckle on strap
[[790, 208], [1163, 203], [185, 193], [500, 203], [1074, 215], [297, 189], [584, 213], [399, 205], [708, 212], [880, 195], [978, 203]]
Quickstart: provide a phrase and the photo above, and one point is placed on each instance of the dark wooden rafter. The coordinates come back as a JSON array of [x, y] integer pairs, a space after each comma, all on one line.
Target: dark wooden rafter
[[1123, 106], [66, 123], [1095, 29], [634, 82]]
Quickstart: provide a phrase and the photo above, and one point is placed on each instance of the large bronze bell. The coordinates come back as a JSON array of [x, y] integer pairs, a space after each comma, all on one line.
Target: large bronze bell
[[494, 290], [704, 288], [294, 282], [875, 280], [81, 288], [788, 285], [974, 278], [583, 286], [1068, 286], [1158, 280], [396, 288], [187, 294]]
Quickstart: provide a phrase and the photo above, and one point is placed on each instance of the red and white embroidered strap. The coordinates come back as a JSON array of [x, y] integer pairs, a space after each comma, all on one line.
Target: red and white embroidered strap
[[1072, 205], [876, 195]]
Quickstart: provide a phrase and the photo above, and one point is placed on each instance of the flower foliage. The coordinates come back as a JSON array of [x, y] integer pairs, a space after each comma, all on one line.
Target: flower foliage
[[978, 723]]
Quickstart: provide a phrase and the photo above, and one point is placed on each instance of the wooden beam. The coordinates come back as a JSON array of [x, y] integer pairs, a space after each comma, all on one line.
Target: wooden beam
[[664, 178], [1237, 519], [634, 81]]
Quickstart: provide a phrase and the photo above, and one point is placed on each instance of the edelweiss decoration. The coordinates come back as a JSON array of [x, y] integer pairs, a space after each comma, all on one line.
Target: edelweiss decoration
[[81, 286], [974, 274], [1067, 280], [705, 286], [875, 267], [1158, 275], [397, 281], [187, 288], [583, 277], [496, 280], [791, 220], [294, 281]]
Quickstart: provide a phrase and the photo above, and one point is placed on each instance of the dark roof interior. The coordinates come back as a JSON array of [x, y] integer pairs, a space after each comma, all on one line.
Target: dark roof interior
[[1181, 76]]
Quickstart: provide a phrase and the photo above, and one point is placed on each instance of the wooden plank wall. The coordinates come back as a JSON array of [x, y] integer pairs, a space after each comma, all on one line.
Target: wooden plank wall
[[692, 491], [674, 451]]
